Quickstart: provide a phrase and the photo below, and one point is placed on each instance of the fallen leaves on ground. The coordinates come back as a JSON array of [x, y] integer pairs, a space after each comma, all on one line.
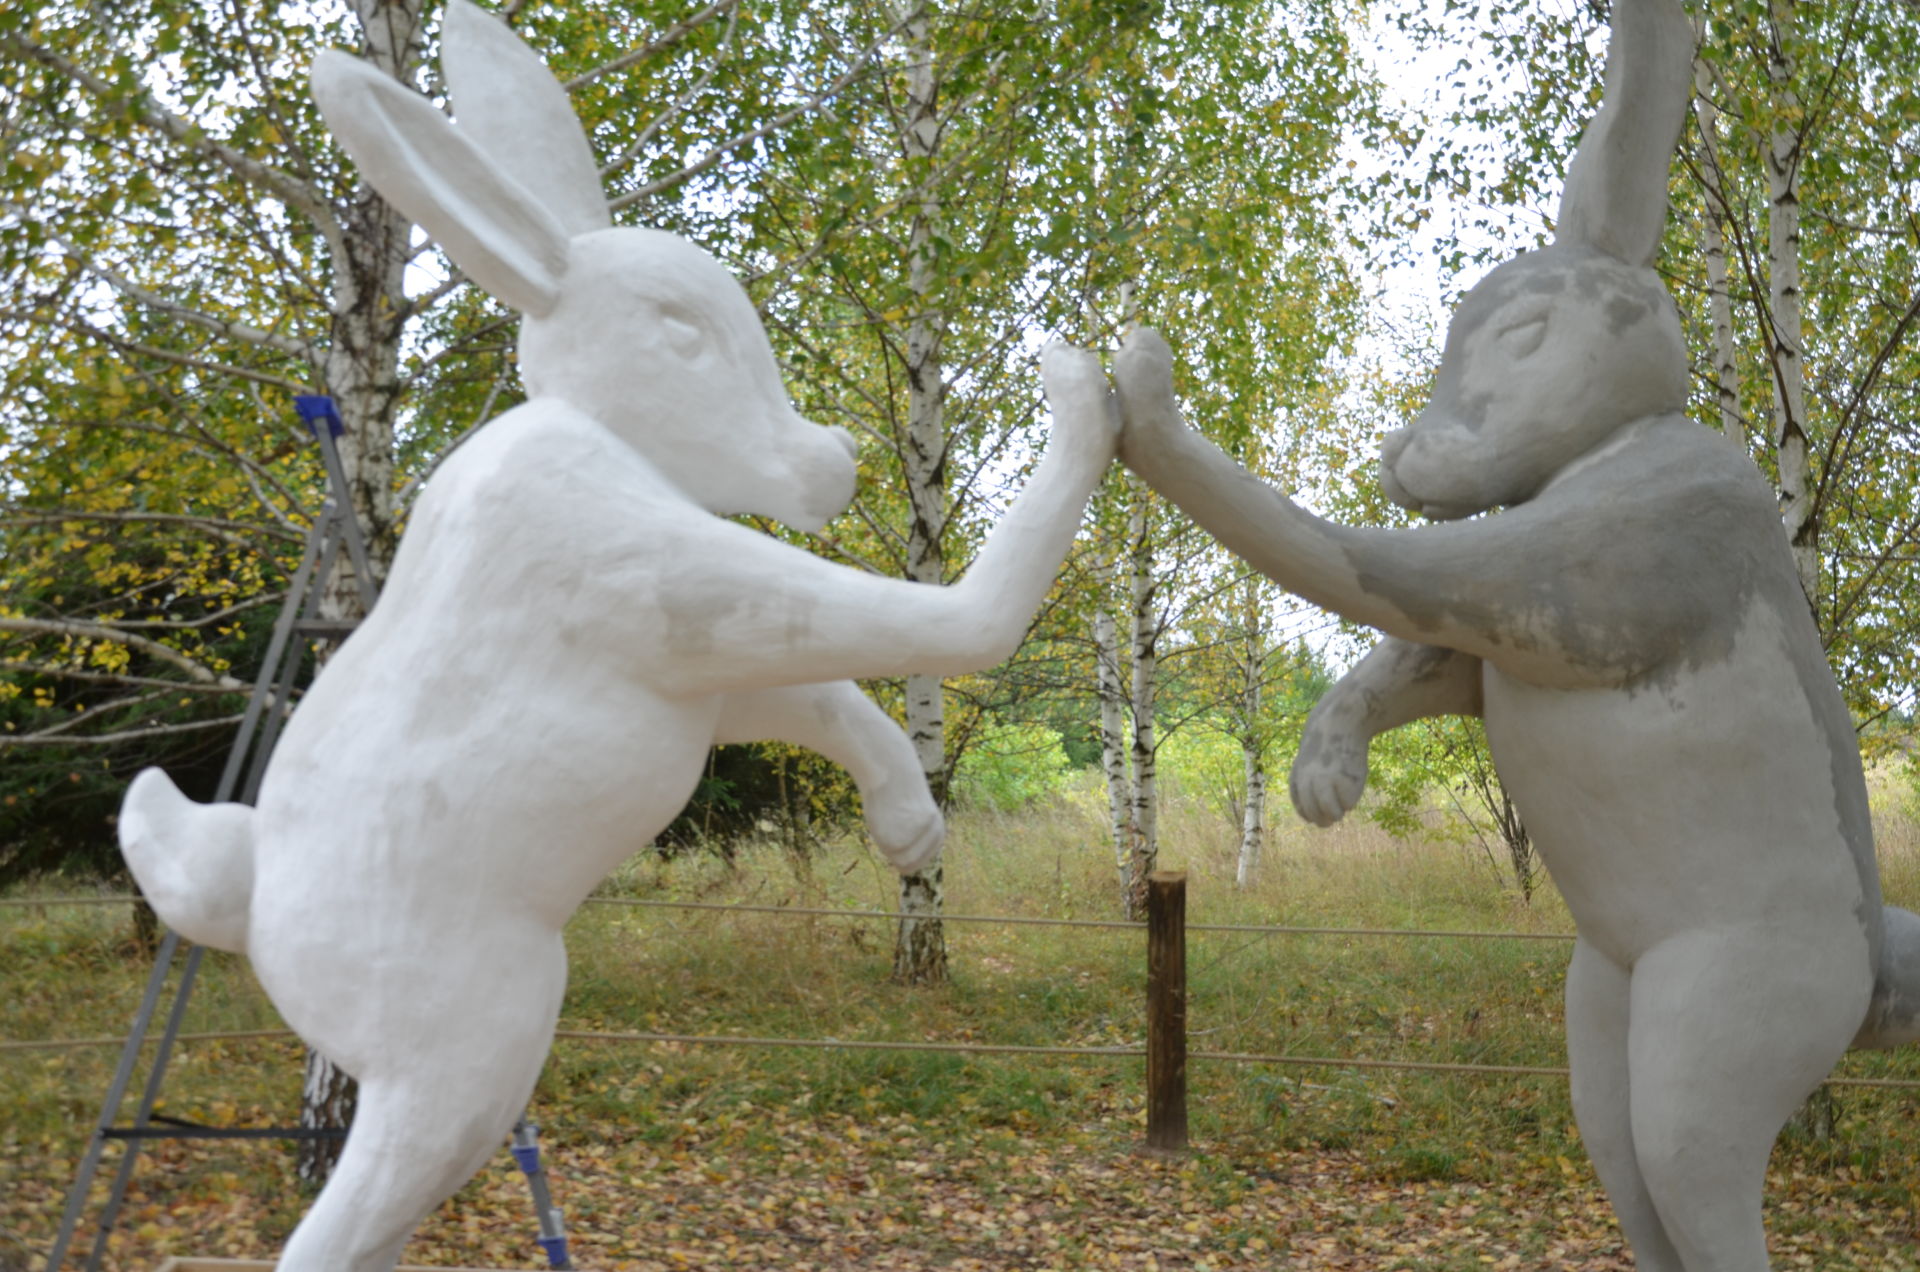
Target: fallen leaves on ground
[[788, 1190]]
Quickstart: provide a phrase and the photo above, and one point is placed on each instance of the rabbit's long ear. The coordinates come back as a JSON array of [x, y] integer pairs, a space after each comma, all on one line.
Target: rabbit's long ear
[[510, 104], [1616, 196], [502, 236]]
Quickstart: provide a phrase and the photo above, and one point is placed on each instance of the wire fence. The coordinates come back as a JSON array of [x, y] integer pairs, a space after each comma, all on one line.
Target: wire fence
[[1004, 920], [957, 1048]]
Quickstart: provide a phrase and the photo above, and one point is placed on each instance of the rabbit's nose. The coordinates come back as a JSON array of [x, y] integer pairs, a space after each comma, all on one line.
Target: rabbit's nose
[[1391, 447], [1392, 444]]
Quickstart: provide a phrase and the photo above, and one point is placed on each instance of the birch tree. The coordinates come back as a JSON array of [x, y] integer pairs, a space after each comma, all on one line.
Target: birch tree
[[1144, 624], [1809, 175], [1110, 690], [1785, 338], [1713, 251], [920, 954], [1249, 718]]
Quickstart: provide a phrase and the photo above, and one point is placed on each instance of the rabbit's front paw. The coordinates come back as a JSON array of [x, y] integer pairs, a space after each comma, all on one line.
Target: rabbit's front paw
[[909, 832], [1326, 782], [1143, 373], [1077, 392]]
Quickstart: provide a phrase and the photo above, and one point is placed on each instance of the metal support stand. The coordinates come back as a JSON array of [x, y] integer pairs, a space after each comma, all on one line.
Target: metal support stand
[[553, 1234], [267, 710]]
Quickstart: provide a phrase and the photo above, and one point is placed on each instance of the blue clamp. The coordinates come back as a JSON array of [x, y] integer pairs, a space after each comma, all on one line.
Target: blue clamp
[[315, 407], [529, 1158], [556, 1248]]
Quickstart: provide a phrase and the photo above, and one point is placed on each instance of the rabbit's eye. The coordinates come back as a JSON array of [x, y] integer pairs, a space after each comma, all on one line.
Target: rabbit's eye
[[1521, 338], [683, 331]]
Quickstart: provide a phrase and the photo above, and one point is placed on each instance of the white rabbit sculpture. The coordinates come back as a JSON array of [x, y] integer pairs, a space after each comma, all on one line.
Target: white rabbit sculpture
[[568, 625], [1630, 628]]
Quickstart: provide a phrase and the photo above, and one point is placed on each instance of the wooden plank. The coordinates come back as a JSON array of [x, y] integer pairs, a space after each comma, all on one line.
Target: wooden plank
[[1167, 1011]]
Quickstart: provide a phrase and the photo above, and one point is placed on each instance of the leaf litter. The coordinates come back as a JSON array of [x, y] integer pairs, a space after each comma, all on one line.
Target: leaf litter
[[784, 1187]]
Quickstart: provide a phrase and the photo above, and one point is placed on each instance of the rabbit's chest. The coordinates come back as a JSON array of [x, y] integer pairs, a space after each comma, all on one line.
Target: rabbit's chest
[[1706, 792]]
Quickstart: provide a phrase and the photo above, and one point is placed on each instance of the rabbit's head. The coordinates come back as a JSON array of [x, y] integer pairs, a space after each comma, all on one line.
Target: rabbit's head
[[637, 328], [1557, 350]]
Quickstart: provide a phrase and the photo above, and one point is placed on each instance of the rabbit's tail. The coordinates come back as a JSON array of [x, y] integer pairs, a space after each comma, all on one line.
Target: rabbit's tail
[[1893, 1016], [194, 862]]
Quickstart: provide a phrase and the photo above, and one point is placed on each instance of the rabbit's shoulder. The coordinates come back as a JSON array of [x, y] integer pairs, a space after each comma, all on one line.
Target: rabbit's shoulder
[[539, 464]]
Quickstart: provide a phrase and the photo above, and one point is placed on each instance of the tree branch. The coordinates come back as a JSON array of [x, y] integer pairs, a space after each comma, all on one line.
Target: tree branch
[[233, 532], [124, 345], [294, 193], [109, 739], [243, 332], [54, 671], [671, 36], [639, 144], [113, 635], [861, 66]]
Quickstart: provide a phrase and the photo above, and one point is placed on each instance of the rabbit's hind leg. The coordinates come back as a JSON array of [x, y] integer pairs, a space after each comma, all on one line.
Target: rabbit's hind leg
[[1597, 1002], [430, 1118], [1731, 1030]]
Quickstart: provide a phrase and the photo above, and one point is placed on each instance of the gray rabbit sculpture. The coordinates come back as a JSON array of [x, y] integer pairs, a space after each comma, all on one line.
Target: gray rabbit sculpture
[[568, 626], [1631, 630]]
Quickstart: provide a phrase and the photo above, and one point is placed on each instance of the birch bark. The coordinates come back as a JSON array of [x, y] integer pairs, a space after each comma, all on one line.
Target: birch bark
[[1113, 738], [1253, 821], [1143, 823], [1797, 509], [1253, 808], [920, 947], [1713, 229]]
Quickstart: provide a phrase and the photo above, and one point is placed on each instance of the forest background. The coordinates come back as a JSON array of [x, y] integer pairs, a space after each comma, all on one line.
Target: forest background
[[917, 195]]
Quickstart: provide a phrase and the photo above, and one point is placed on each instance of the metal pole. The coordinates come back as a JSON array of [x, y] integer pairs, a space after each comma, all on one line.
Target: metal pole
[[325, 423], [276, 651], [272, 691], [116, 1095], [553, 1234], [148, 1098]]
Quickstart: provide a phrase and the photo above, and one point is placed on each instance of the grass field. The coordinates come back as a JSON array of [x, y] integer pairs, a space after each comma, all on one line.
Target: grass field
[[680, 1156]]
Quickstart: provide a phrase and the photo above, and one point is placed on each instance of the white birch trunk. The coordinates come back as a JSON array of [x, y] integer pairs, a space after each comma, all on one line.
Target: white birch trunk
[[1143, 829], [1816, 1116], [1253, 819], [1253, 807], [1713, 229], [1113, 738], [1783, 284], [920, 948]]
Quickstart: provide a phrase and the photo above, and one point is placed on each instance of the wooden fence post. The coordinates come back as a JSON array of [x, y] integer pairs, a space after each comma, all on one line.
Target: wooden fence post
[[1167, 1011]]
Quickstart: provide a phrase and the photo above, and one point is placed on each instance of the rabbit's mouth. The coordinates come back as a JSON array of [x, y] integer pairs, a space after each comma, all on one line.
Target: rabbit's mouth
[[1433, 510], [1448, 512]]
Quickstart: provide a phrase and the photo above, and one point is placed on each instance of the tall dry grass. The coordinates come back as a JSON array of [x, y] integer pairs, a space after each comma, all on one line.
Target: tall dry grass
[[70, 973]]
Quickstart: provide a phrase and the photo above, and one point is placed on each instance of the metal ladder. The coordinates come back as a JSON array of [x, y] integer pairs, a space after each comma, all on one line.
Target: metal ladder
[[335, 529]]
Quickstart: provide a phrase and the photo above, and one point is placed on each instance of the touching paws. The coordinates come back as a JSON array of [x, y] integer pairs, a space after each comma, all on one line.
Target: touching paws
[[1143, 373], [1077, 391]]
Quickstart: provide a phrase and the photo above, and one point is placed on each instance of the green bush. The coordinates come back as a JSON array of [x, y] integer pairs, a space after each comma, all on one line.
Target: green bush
[[1012, 765]]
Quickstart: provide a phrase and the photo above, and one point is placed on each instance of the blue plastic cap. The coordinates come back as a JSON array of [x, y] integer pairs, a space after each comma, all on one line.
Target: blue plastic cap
[[556, 1248], [528, 1157], [315, 407]]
